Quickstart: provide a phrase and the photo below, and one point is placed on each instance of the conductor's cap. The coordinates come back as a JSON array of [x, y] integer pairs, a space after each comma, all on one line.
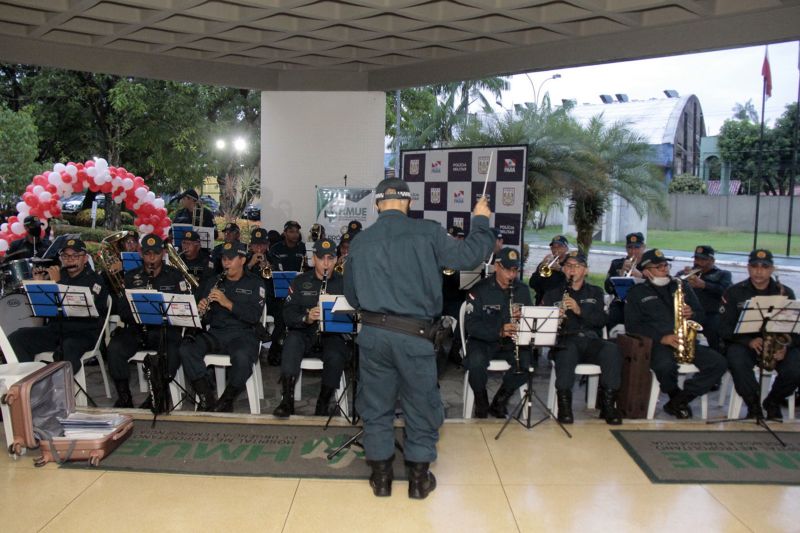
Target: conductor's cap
[[392, 189]]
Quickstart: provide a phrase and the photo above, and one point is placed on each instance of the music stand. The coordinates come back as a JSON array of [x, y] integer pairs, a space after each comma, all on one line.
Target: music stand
[[56, 301], [762, 315], [281, 280], [163, 309], [538, 325], [338, 317], [622, 284]]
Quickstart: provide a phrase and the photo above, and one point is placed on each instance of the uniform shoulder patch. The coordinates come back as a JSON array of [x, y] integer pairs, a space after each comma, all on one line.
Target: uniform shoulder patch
[[96, 288]]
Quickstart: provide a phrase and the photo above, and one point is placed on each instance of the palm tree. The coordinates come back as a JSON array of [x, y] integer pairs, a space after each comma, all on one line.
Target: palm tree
[[746, 111], [470, 91]]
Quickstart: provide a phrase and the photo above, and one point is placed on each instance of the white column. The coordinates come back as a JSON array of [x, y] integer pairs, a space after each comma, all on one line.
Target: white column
[[310, 139]]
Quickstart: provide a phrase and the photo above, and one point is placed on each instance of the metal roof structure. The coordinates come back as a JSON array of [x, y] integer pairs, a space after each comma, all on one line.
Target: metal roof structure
[[371, 44]]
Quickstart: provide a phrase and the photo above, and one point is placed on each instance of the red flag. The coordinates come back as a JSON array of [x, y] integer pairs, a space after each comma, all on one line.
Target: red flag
[[767, 74]]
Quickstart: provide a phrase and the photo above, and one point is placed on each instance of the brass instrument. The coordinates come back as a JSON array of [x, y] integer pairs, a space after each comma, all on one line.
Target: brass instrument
[[176, 261], [448, 271], [689, 273], [629, 272], [773, 343], [686, 330], [266, 268], [111, 252], [546, 270], [339, 268]]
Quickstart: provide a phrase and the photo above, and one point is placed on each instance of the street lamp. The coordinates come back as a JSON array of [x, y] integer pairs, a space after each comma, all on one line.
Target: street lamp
[[537, 92]]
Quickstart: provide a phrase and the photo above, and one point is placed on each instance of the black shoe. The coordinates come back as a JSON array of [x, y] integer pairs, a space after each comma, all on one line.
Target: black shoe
[[772, 409], [678, 405], [608, 407], [754, 408], [206, 400], [482, 404], [274, 355], [421, 481], [286, 408], [124, 398], [499, 407], [226, 401], [324, 401], [381, 478], [564, 398]]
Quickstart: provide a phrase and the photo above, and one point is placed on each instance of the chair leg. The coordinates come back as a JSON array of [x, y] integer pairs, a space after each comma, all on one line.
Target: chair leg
[[551, 391], [724, 385], [735, 405], [252, 395], [219, 374], [651, 404], [469, 397], [591, 391], [81, 400], [102, 364], [140, 372], [298, 386], [704, 406]]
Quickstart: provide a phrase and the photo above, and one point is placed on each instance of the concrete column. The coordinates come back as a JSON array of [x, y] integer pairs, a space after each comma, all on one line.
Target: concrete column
[[310, 139]]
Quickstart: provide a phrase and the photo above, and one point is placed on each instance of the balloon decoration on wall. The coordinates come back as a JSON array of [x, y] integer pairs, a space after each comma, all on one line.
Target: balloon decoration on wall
[[42, 198]]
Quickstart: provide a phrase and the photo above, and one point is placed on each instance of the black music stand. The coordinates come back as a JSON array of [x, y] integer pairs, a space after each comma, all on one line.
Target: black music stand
[[338, 318], [762, 315], [165, 310], [56, 301], [538, 325]]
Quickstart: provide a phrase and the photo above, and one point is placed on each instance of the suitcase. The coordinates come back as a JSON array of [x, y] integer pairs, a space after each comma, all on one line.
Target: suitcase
[[36, 400], [634, 393]]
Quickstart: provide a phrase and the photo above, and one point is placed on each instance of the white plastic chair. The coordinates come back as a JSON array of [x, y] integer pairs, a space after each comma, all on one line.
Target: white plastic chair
[[655, 390], [583, 369], [315, 363], [735, 405], [80, 376]]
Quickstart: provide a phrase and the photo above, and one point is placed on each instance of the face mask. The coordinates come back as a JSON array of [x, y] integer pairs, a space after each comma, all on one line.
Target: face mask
[[660, 281]]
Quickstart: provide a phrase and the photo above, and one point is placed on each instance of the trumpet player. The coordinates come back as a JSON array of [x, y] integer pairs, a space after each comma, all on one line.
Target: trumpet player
[[258, 248], [126, 341], [709, 283], [650, 312], [744, 350], [195, 257], [548, 274], [628, 267], [301, 312], [580, 340], [491, 328]]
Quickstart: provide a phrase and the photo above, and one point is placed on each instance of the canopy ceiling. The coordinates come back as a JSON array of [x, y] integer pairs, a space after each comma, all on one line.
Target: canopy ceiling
[[371, 44]]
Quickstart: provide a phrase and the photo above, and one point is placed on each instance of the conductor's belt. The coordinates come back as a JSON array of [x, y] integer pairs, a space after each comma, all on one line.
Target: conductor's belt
[[399, 324]]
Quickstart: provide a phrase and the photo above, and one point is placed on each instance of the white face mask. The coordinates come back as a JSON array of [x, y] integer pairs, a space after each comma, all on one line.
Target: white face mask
[[660, 281]]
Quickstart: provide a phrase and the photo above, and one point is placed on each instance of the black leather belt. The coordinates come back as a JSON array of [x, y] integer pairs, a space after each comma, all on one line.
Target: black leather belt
[[399, 324]]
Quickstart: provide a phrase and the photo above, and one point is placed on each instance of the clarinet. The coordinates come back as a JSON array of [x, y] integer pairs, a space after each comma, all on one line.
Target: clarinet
[[322, 291], [563, 306], [217, 285], [512, 320]]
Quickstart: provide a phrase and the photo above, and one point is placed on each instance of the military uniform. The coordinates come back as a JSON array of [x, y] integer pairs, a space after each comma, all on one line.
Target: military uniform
[[24, 249], [77, 335], [742, 359], [186, 216], [542, 285], [394, 271], [289, 259], [201, 267], [616, 309], [710, 296]]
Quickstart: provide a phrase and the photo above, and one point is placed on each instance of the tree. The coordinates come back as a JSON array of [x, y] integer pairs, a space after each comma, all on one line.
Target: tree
[[746, 111], [470, 91], [687, 184], [19, 143], [755, 163]]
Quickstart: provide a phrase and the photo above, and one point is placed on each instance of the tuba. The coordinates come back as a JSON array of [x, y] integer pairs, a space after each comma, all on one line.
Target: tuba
[[109, 254], [176, 261], [686, 330]]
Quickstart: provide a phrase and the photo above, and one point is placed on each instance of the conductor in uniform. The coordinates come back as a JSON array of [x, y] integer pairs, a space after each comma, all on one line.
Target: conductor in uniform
[[649, 311], [744, 350], [580, 340], [301, 313], [490, 330], [394, 278], [231, 304], [153, 274]]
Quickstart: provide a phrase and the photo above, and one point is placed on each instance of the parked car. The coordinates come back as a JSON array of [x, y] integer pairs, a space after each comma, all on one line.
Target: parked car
[[252, 212], [73, 203]]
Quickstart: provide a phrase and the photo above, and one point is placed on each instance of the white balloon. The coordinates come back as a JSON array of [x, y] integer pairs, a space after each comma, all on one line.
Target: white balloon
[[127, 183], [37, 190], [159, 203], [140, 193], [48, 214], [25, 211], [17, 228], [54, 178], [4, 227], [21, 206], [119, 198], [3, 245], [101, 163], [59, 167], [72, 170], [91, 172], [151, 197], [143, 228], [45, 197]]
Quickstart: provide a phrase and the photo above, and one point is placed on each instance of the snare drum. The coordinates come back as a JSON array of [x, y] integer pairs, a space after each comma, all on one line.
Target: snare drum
[[15, 313], [14, 272]]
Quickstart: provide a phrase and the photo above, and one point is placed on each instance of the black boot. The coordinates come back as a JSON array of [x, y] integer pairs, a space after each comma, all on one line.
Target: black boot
[[286, 407], [226, 401], [205, 394], [564, 398], [324, 401], [678, 405], [124, 398], [754, 408], [772, 408], [274, 354], [499, 407], [381, 478], [481, 404], [421, 481], [608, 407]]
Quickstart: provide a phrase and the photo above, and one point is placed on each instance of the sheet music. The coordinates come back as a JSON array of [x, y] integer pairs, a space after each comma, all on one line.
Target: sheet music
[[622, 284], [782, 315], [149, 307], [131, 261], [538, 325], [281, 280], [335, 320], [206, 236], [46, 297]]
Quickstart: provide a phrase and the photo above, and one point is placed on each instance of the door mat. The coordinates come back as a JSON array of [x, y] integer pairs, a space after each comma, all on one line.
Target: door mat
[[227, 449], [753, 457]]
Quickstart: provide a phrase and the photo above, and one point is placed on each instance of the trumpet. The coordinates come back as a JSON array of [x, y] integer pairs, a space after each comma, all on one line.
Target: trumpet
[[546, 270], [688, 273], [630, 259], [266, 268], [339, 268]]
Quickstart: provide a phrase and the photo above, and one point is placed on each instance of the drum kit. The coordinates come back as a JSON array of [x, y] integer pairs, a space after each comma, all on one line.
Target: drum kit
[[15, 310]]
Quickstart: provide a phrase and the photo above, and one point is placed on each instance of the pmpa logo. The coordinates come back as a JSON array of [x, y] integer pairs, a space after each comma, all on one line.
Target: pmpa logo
[[436, 195], [458, 221], [509, 165], [436, 167], [483, 164], [413, 167], [458, 197], [508, 196]]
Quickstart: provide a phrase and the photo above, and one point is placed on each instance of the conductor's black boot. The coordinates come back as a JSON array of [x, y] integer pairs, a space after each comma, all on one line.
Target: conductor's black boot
[[499, 407], [124, 398], [206, 399], [564, 399], [421, 481], [772, 408], [286, 407], [381, 478], [482, 404], [753, 408], [324, 401], [226, 401], [608, 407]]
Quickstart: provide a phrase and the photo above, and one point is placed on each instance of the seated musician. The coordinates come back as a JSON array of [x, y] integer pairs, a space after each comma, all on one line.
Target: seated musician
[[196, 258], [745, 350], [131, 243], [649, 311], [230, 233], [258, 248], [490, 329], [580, 340], [708, 284], [192, 211], [541, 280], [301, 311], [69, 338], [126, 341], [624, 267], [32, 245], [231, 305]]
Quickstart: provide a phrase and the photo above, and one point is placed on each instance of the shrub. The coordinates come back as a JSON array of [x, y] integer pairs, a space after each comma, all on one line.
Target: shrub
[[687, 184], [84, 218]]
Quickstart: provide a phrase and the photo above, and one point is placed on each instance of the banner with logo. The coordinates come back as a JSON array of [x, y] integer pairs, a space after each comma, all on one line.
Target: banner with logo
[[445, 184], [337, 206]]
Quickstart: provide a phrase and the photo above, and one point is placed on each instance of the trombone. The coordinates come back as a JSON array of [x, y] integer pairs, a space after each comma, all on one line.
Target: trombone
[[546, 270]]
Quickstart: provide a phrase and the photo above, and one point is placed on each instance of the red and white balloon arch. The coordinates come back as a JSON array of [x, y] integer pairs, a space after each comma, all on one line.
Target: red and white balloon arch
[[42, 198]]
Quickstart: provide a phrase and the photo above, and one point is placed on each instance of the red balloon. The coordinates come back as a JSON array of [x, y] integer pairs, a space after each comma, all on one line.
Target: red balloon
[[51, 188], [30, 199]]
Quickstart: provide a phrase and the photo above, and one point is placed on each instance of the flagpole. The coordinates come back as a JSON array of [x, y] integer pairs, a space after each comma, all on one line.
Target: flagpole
[[794, 159], [767, 79]]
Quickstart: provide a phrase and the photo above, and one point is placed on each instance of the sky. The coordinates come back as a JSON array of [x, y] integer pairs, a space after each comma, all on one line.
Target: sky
[[720, 80]]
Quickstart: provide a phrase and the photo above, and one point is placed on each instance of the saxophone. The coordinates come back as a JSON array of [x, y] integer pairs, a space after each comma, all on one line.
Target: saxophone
[[686, 330], [773, 343]]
